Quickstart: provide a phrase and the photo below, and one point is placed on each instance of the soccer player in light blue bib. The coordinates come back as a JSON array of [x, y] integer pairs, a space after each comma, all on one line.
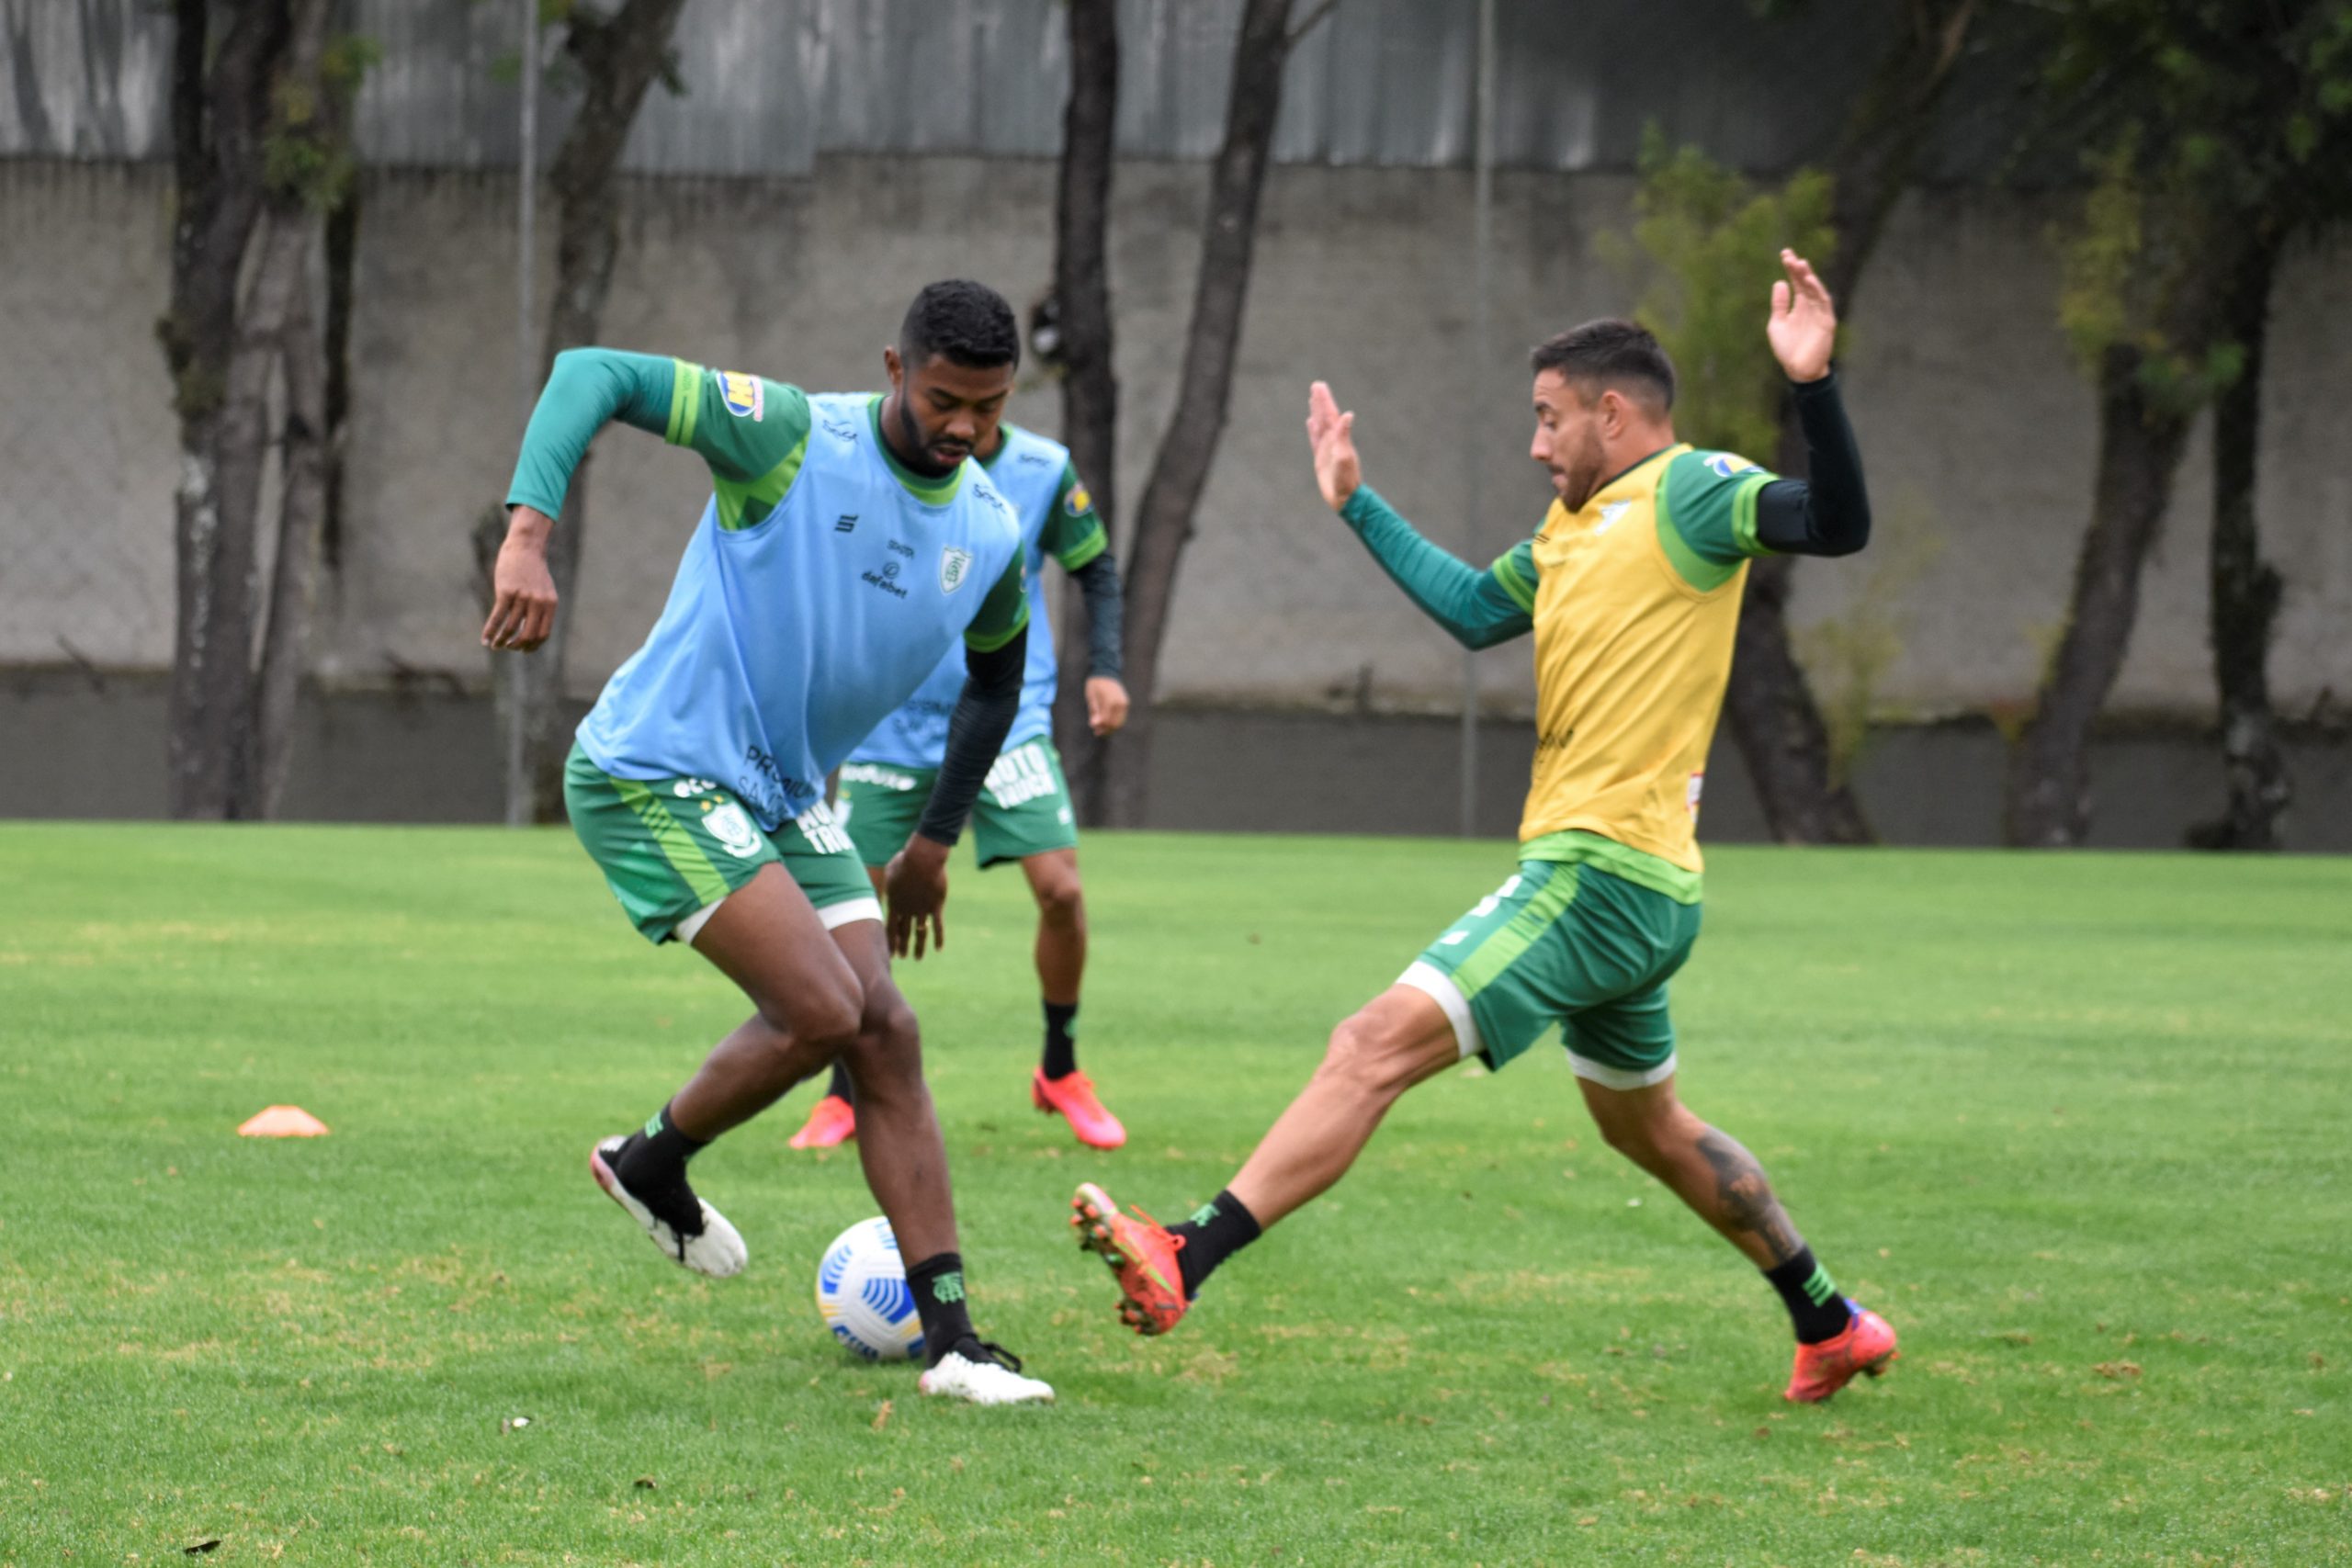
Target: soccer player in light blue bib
[[847, 549], [1024, 813]]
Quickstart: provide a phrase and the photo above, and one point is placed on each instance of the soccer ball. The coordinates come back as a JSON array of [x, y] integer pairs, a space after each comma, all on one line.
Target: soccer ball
[[863, 1293]]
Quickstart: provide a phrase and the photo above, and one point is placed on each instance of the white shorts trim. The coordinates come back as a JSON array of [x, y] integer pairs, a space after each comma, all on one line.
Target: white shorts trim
[[1438, 986], [848, 911], [685, 930], [835, 916], [1608, 1076]]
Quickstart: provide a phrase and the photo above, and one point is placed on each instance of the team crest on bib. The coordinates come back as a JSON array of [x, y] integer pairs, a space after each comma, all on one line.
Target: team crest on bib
[[955, 565], [745, 398], [733, 829]]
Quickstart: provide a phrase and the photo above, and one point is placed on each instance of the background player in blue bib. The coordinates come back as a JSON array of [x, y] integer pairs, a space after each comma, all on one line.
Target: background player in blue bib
[[847, 547], [1023, 814]]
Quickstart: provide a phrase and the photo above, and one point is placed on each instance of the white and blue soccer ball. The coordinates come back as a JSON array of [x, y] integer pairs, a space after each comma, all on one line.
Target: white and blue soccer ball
[[863, 1293]]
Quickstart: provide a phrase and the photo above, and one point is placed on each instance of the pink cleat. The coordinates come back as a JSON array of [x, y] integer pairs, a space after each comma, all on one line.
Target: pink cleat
[[832, 1121], [1141, 1253], [1073, 1097], [1866, 1347]]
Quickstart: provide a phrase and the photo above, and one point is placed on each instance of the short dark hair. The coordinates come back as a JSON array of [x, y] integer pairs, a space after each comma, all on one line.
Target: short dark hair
[[969, 322], [1609, 354]]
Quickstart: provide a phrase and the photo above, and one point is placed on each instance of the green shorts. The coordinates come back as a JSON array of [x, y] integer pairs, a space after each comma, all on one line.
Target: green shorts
[[670, 848], [1024, 810], [1571, 944]]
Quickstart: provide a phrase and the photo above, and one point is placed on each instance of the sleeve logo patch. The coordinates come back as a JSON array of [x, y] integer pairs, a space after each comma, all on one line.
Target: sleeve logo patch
[[1723, 466], [1078, 501], [744, 396], [955, 565]]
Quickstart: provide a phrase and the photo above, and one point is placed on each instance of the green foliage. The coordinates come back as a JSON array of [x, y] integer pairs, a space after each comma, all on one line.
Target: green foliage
[[1709, 242], [2211, 127], [2075, 1126], [307, 151]]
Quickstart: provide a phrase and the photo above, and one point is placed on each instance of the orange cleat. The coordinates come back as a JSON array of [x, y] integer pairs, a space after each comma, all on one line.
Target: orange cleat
[[1141, 1252], [835, 1120], [1073, 1097], [1866, 1347]]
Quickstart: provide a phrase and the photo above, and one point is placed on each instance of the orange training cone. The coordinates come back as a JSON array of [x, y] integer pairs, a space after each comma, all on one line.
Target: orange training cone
[[283, 1122]]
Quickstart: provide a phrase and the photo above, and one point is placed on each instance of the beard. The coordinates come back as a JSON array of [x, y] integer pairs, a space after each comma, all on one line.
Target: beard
[[922, 456]]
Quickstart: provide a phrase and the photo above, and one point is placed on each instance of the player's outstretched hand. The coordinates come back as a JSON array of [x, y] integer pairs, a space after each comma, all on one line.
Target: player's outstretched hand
[[915, 884], [1333, 436], [1804, 328], [522, 606], [1106, 703]]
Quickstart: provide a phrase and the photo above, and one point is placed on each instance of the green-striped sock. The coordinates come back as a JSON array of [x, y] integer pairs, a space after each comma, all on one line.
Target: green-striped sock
[[1814, 1306]]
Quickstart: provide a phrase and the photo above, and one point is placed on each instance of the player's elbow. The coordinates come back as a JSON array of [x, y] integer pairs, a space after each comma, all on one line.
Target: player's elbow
[[1850, 538]]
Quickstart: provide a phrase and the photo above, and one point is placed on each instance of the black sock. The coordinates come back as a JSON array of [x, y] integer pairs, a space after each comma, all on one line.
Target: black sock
[[1218, 1230], [1061, 1049], [938, 1284], [652, 1166], [839, 1089], [1814, 1306]]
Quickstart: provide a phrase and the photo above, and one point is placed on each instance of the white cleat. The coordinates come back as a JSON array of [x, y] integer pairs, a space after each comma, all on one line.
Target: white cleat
[[984, 1382], [718, 1251]]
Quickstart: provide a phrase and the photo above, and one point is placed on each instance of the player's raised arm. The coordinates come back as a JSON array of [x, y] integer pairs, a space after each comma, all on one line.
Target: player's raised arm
[[995, 655], [1479, 609], [748, 430], [1828, 514]]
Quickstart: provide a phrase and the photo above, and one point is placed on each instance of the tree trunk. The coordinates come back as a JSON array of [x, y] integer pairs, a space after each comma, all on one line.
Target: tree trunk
[[342, 244], [219, 115], [302, 515], [1089, 389], [259, 131], [2140, 446], [1164, 520], [1774, 718], [619, 57], [2245, 589]]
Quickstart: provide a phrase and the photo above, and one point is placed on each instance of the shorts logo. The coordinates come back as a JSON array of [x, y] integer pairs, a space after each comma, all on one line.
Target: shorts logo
[[1021, 775], [744, 395], [1723, 465], [954, 565], [1077, 502], [822, 829], [732, 830]]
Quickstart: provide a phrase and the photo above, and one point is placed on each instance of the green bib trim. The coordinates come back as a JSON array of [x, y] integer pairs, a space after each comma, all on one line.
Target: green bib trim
[[1577, 847]]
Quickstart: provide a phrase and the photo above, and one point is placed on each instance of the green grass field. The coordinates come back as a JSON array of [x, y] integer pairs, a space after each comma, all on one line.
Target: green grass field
[[2081, 1126]]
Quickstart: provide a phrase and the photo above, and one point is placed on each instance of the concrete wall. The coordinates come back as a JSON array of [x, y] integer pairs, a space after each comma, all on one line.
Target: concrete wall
[[420, 753], [1975, 426]]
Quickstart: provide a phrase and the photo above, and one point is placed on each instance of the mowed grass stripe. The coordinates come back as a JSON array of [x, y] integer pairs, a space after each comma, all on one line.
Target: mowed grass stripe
[[2074, 1122]]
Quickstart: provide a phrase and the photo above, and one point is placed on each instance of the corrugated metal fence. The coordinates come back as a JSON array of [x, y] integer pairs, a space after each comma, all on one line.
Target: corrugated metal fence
[[773, 83]]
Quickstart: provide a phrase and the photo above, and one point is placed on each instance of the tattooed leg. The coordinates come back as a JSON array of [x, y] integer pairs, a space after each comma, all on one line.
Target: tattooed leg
[[1706, 1168]]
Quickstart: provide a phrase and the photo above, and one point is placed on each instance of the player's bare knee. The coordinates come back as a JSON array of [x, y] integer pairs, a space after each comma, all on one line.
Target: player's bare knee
[[886, 1060], [1366, 1058], [826, 1021], [1061, 902]]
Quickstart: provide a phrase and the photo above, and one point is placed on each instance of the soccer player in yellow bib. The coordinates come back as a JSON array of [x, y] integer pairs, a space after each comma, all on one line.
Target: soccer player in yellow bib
[[1632, 588]]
